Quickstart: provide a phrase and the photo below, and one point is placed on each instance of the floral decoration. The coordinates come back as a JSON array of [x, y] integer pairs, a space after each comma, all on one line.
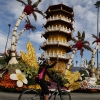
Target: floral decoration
[[20, 77]]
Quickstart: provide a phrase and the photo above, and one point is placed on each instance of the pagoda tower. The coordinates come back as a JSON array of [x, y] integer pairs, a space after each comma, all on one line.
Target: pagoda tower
[[59, 27]]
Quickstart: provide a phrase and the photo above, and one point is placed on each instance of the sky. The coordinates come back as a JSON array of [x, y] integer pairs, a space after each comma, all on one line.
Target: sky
[[85, 14]]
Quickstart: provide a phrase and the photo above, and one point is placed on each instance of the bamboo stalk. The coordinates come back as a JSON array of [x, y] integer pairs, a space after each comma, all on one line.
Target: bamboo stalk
[[13, 49], [92, 59], [70, 61], [18, 37]]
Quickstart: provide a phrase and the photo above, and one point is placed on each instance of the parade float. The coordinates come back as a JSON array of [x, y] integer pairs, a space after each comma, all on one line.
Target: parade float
[[19, 72]]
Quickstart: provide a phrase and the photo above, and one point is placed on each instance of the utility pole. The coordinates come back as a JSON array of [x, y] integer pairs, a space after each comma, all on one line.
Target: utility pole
[[7, 37], [97, 4]]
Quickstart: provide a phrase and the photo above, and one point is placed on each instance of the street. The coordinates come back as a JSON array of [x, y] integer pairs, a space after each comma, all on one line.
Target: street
[[74, 96]]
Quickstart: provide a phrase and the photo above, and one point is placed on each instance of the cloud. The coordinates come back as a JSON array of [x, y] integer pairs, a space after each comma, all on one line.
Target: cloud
[[15, 8], [85, 15], [36, 37], [3, 40]]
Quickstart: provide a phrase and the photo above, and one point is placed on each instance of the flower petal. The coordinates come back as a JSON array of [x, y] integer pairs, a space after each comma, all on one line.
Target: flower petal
[[18, 71], [19, 83], [13, 77], [25, 81]]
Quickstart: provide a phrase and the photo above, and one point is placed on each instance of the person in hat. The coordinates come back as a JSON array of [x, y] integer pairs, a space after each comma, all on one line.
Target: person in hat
[[41, 76]]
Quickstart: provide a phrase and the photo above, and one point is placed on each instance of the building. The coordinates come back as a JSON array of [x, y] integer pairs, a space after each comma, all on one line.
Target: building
[[59, 27]]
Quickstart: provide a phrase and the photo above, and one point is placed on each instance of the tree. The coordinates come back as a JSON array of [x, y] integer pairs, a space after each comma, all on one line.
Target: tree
[[29, 9], [28, 26], [94, 52], [79, 45]]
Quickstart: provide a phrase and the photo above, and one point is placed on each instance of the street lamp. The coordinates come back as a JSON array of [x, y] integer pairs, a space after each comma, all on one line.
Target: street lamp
[[97, 4], [7, 37]]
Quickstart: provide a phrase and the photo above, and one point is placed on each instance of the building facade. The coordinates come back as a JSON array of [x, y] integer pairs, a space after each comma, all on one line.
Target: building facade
[[58, 32]]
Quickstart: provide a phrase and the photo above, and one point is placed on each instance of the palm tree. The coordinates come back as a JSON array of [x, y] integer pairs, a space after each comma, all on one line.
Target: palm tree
[[27, 27], [79, 45], [29, 9], [94, 52]]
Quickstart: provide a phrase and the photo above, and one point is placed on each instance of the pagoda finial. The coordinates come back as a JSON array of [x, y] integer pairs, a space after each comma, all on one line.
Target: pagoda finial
[[61, 2], [49, 5], [61, 5]]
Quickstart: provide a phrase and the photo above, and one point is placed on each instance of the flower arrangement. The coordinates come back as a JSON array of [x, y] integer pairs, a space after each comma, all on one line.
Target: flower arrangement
[[11, 75]]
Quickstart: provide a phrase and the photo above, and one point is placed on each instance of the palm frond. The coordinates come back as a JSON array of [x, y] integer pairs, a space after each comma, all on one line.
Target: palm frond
[[22, 2], [93, 42], [87, 47], [80, 38], [29, 2], [94, 36], [36, 3], [86, 42], [35, 17], [73, 39], [79, 34], [33, 28], [83, 35], [40, 12], [99, 34], [28, 22]]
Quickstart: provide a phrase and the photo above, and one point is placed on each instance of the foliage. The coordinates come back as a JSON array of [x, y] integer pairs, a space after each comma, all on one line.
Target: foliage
[[58, 77], [31, 8], [96, 37], [85, 74], [80, 42], [30, 57], [75, 86], [73, 77], [29, 71], [29, 25], [8, 84], [74, 82], [3, 60], [98, 82]]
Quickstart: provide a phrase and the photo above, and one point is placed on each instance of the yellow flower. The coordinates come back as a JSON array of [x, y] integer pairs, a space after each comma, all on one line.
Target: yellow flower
[[67, 72], [20, 77]]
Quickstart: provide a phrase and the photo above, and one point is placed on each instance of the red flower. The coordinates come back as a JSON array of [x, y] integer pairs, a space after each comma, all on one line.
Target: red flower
[[27, 26], [98, 40], [79, 45], [28, 9]]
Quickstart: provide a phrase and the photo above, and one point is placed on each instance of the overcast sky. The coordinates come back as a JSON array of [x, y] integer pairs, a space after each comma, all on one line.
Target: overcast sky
[[85, 14]]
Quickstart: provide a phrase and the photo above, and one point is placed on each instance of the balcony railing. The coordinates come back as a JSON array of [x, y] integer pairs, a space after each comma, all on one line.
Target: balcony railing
[[59, 42], [59, 18], [58, 28], [60, 55]]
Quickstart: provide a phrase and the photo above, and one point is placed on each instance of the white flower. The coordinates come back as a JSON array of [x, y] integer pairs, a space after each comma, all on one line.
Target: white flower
[[20, 77], [82, 75], [92, 80], [80, 78]]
